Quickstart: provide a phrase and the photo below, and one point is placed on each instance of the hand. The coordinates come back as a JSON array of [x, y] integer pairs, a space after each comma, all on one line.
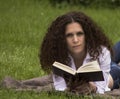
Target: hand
[[93, 86], [81, 87]]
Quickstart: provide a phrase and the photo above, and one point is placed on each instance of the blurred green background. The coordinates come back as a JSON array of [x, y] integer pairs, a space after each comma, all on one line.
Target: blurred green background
[[23, 24]]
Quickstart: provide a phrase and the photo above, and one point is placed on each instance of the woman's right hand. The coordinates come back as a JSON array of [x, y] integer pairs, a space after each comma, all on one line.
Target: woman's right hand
[[81, 87]]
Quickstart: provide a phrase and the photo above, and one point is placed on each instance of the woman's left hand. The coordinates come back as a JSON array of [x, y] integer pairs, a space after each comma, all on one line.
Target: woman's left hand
[[93, 86]]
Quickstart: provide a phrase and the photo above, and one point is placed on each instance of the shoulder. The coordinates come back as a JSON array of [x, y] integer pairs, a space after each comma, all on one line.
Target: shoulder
[[105, 56], [105, 51]]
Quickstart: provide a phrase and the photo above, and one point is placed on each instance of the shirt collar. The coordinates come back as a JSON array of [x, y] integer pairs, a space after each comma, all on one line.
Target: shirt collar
[[86, 60]]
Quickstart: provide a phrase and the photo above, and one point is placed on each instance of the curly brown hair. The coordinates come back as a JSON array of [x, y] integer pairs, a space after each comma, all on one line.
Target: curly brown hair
[[54, 47]]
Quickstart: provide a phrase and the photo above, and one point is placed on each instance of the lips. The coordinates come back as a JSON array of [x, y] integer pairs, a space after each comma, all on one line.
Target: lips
[[76, 46]]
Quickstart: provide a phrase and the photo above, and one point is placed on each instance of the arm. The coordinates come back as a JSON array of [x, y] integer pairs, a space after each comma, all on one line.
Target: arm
[[59, 83], [105, 60]]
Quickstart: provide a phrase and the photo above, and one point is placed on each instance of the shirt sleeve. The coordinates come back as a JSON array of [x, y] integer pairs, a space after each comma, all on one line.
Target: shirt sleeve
[[105, 60], [59, 83]]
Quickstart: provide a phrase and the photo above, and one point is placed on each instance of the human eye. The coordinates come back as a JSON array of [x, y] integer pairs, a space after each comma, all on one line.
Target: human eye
[[80, 33], [69, 35]]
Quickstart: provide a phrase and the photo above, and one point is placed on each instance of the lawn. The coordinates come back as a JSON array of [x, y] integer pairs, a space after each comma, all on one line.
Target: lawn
[[23, 24]]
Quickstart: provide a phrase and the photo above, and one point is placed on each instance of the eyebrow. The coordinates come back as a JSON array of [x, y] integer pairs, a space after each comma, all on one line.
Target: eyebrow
[[76, 32]]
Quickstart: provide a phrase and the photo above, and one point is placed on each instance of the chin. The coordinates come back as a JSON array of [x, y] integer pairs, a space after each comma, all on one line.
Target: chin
[[77, 52]]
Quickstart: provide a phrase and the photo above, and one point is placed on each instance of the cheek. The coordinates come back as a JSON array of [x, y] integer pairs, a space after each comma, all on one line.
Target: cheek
[[82, 38], [68, 42]]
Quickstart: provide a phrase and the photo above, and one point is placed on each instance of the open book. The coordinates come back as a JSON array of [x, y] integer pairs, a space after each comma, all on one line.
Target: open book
[[90, 71]]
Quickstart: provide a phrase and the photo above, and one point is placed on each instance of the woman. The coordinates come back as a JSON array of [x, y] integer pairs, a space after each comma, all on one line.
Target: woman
[[75, 39]]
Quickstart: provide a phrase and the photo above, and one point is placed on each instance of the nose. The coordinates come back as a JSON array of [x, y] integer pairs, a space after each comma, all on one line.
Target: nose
[[75, 38]]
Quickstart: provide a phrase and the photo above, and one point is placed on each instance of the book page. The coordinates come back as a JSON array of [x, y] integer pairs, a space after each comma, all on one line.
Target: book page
[[64, 67], [89, 67]]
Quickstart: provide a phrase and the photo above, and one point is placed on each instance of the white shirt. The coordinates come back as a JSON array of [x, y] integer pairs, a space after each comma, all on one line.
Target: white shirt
[[102, 86]]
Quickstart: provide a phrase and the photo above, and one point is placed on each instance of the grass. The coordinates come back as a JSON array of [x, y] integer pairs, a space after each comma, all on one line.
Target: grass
[[23, 24], [12, 94]]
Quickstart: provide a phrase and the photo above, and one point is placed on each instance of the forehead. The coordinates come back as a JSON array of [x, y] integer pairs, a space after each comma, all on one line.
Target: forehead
[[73, 27]]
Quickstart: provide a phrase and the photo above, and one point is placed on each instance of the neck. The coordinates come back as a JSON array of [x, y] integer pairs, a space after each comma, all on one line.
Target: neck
[[79, 58]]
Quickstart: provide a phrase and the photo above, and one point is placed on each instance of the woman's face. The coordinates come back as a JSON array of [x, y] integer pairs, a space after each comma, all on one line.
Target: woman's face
[[75, 38]]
